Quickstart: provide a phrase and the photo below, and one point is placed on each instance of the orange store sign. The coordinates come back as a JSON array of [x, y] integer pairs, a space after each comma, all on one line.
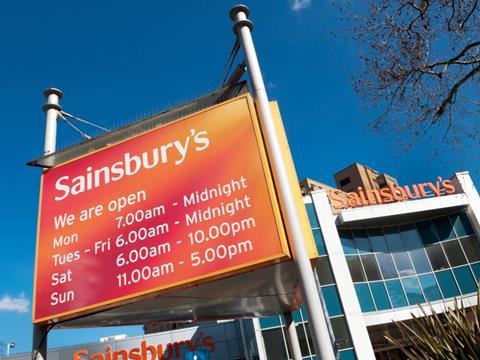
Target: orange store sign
[[172, 350], [185, 203], [390, 194]]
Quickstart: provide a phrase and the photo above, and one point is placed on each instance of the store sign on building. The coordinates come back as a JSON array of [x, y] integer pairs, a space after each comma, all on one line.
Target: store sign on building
[[183, 204], [200, 345], [389, 194]]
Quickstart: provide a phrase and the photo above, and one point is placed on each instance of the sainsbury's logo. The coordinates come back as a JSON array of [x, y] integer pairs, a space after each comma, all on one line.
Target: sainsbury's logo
[[390, 193], [150, 352]]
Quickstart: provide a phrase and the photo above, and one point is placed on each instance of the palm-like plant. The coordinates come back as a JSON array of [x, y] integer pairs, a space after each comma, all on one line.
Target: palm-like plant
[[452, 335]]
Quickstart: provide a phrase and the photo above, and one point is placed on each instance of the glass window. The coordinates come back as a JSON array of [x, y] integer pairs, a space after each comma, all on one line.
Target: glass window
[[471, 245], [345, 181], [414, 245], [437, 257], [347, 242], [312, 216], [296, 316], [302, 339], [377, 240], [380, 296], [396, 293], [476, 271], [348, 355], [385, 262], [309, 337], [413, 291], [317, 236], [355, 268], [403, 263], [420, 261], [461, 224], [427, 232], [454, 253], [394, 241], [444, 228], [410, 237], [361, 241], [340, 332], [234, 350], [430, 287], [332, 301], [364, 297], [371, 267], [269, 322], [447, 284], [324, 272], [465, 280], [304, 313], [274, 344]]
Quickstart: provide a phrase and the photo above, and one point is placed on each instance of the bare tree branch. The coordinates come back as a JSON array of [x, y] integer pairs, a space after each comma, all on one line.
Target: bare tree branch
[[421, 66], [453, 91]]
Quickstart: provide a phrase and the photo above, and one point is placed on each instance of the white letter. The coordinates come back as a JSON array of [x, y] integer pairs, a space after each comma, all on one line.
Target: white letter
[[61, 187], [200, 140], [181, 149]]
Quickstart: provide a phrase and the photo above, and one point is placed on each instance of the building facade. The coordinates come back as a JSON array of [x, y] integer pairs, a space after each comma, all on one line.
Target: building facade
[[376, 263], [355, 175]]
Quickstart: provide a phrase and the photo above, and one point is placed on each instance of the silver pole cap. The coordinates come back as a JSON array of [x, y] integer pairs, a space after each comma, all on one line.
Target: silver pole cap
[[237, 8], [56, 91]]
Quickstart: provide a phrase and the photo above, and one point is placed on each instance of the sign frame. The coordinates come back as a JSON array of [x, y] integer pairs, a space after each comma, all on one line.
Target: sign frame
[[191, 281]]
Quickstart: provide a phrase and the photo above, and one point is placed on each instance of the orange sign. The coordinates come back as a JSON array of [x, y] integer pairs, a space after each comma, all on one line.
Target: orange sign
[[173, 350], [185, 203], [390, 193]]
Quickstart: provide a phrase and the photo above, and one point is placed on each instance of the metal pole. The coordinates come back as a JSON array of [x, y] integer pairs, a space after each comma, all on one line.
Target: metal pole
[[39, 346], [317, 322], [51, 108], [292, 337]]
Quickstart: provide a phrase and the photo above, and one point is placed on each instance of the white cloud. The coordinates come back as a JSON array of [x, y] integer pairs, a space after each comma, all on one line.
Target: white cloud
[[18, 304], [298, 5]]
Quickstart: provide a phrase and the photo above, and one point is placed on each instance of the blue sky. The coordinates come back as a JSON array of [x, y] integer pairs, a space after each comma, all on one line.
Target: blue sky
[[117, 61]]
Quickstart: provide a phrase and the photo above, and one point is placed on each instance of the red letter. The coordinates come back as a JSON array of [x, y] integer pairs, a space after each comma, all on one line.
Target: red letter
[[168, 354], [176, 345], [334, 196], [77, 355], [386, 196], [376, 200], [435, 190], [395, 190], [134, 354], [145, 350], [362, 196], [123, 353], [449, 188], [354, 200], [208, 342], [422, 189]]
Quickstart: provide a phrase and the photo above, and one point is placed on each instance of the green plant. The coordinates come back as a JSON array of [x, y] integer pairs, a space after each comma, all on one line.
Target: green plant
[[451, 335]]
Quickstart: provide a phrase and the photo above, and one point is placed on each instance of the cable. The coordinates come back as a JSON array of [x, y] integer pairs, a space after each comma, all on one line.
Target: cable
[[228, 65], [233, 54], [83, 121], [85, 136]]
